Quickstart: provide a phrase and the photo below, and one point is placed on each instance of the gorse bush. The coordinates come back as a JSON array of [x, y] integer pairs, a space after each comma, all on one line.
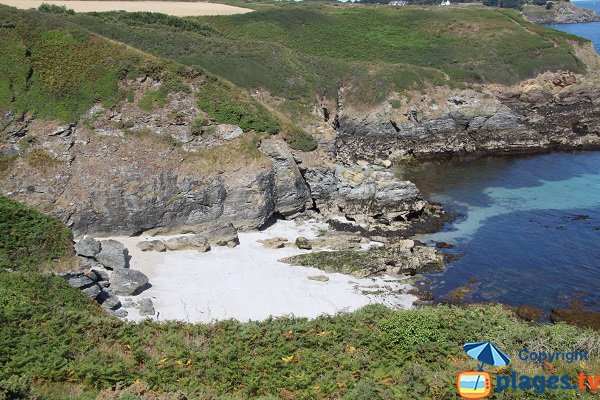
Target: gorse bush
[[54, 9], [151, 18], [299, 139]]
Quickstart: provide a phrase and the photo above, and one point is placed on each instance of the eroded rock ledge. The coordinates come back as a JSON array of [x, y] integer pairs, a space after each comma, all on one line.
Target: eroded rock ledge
[[553, 111]]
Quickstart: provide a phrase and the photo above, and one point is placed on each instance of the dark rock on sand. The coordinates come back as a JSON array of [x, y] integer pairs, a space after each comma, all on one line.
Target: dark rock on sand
[[128, 282]]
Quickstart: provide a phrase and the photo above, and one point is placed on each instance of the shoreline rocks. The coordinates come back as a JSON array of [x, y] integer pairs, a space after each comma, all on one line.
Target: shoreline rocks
[[393, 259], [559, 12], [104, 274]]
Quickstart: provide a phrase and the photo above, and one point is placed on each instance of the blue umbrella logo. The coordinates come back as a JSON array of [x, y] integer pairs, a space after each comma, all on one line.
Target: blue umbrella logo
[[486, 353]]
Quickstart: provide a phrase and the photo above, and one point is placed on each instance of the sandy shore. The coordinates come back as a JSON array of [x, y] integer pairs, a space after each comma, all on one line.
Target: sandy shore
[[178, 8], [248, 283]]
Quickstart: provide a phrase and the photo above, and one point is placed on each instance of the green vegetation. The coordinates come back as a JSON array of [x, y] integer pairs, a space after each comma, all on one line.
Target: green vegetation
[[298, 139], [29, 240], [54, 9], [518, 4], [55, 70], [58, 70], [170, 84], [300, 52], [225, 105], [53, 340]]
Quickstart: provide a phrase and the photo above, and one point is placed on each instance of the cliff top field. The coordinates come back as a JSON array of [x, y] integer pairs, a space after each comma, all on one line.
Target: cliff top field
[[171, 7]]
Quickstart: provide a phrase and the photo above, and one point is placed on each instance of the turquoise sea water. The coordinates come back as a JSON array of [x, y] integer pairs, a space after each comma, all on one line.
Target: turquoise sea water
[[590, 30], [528, 228]]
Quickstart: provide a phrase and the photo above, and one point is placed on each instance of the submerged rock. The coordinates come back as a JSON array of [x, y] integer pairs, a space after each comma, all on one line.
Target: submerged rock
[[582, 318], [529, 313]]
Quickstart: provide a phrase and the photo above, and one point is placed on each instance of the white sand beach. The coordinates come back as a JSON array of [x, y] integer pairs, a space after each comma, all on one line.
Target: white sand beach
[[177, 8], [249, 283]]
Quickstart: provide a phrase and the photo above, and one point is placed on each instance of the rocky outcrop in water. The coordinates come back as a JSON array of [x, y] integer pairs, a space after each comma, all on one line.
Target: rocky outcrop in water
[[552, 111], [559, 12]]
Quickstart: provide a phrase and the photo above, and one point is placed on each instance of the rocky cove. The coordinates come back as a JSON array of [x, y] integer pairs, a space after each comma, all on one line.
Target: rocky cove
[[124, 171]]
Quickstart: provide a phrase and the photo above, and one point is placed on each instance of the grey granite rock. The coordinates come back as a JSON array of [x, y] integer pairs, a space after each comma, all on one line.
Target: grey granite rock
[[146, 307], [92, 291], [113, 255], [292, 195], [87, 247], [128, 282], [80, 281], [195, 242], [108, 299]]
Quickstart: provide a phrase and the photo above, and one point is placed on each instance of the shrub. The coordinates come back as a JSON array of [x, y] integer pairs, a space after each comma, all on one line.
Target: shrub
[[39, 158], [55, 9], [199, 125], [413, 328], [298, 139], [517, 4]]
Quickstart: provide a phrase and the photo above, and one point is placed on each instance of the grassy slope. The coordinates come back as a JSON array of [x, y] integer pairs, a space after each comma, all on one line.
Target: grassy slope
[[56, 344], [297, 51], [30, 240], [57, 70]]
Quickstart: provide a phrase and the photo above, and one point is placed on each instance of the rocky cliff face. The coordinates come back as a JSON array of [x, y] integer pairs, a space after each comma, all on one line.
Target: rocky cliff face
[[554, 110], [559, 13], [125, 170]]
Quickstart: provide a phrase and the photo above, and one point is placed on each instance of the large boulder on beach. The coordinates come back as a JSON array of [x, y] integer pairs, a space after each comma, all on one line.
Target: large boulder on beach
[[92, 291], [87, 247], [274, 242], [128, 282], [195, 242], [152, 245], [113, 255], [146, 307], [108, 299], [219, 234]]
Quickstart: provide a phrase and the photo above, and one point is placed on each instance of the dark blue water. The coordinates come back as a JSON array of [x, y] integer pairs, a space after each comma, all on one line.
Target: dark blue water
[[590, 30], [528, 230]]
